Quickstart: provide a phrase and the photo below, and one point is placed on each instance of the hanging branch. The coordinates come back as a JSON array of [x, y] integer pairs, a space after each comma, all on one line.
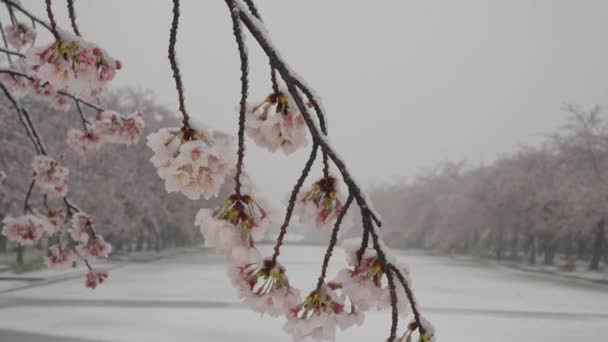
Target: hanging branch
[[8, 54], [51, 16], [187, 130], [410, 296], [273, 72], [72, 14], [292, 201], [60, 92], [332, 242], [11, 52], [27, 128], [26, 204], [83, 119], [240, 41]]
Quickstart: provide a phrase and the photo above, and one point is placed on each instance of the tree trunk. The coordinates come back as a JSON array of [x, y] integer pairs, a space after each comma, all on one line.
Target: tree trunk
[[549, 254], [140, 243], [532, 250], [514, 246], [598, 246]]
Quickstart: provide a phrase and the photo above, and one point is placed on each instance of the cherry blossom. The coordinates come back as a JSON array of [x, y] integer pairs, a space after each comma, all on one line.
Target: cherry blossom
[[82, 142], [426, 333], [71, 64], [60, 256], [117, 129], [234, 227], [95, 277], [284, 128], [320, 314], [363, 282], [50, 177], [20, 34], [95, 247], [81, 224], [25, 230], [18, 85], [54, 217], [196, 167], [265, 287], [321, 205]]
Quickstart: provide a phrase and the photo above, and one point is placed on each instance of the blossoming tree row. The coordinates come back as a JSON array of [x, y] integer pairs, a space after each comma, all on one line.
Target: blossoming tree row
[[545, 199], [195, 162]]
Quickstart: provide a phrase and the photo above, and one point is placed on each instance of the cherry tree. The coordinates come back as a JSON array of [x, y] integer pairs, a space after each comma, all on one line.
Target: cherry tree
[[195, 162]]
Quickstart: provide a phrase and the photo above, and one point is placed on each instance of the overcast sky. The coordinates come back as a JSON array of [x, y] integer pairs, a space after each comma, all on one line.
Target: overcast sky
[[406, 84]]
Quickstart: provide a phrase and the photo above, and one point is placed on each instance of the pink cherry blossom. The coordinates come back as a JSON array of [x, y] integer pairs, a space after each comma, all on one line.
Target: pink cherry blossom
[[81, 225], [265, 287], [60, 256], [51, 178], [426, 333], [25, 230], [54, 218], [74, 65], [284, 128], [95, 247], [20, 34], [197, 167], [95, 277], [83, 141], [234, 227], [321, 205], [18, 85], [321, 313], [111, 127]]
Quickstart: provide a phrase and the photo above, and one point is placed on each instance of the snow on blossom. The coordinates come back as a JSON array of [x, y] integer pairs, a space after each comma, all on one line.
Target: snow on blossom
[[234, 227], [94, 278], [81, 224], [50, 177], [19, 34], [364, 283], [264, 287], [95, 247], [25, 230], [320, 314], [196, 166], [3, 177], [73, 65], [60, 256], [82, 142], [284, 128], [321, 205]]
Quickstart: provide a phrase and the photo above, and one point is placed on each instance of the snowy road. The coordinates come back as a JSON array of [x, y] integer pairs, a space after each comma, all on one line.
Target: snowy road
[[188, 298]]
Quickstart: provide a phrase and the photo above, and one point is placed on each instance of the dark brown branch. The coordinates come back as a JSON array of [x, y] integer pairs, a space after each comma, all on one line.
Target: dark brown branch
[[83, 119], [20, 116], [292, 200], [8, 55], [238, 34], [176, 73], [332, 242], [72, 14], [314, 130], [11, 52], [51, 16], [410, 296], [26, 204]]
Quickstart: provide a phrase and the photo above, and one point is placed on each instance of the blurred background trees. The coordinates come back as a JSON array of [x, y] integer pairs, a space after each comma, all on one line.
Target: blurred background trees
[[539, 201]]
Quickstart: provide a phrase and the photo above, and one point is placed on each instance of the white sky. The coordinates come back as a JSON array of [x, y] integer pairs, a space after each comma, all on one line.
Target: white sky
[[406, 84]]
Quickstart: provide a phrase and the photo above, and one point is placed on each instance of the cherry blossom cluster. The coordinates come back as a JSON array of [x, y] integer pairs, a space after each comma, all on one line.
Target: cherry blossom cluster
[[234, 227], [264, 287], [50, 176], [74, 65], [19, 34], [321, 204], [191, 163], [321, 313], [108, 127], [276, 123]]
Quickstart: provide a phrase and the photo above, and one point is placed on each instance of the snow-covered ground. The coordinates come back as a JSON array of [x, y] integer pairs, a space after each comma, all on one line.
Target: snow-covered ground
[[188, 298]]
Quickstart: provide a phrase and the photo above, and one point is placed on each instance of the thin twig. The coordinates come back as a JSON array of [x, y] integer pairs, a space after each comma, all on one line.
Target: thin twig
[[8, 55], [20, 116], [26, 204], [410, 296], [292, 200], [11, 52], [238, 34], [51, 16], [72, 14], [83, 119], [176, 74], [28, 14], [332, 242]]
